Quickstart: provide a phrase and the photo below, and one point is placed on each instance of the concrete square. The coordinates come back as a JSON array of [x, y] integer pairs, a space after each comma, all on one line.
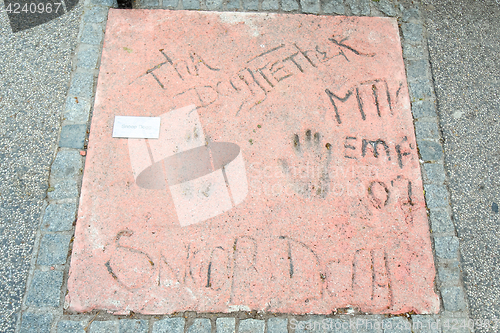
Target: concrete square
[[285, 179]]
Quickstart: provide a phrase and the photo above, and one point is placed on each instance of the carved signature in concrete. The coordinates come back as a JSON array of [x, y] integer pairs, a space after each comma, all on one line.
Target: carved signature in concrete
[[234, 272], [252, 83]]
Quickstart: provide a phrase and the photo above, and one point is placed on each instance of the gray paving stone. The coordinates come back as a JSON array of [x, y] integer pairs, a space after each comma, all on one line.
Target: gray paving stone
[[423, 109], [386, 7], [425, 324], [77, 110], [429, 150], [289, 5], [411, 51], [67, 189], [459, 325], [270, 5], [417, 69], [36, 323], [313, 325], [233, 4], [441, 221], [436, 196], [200, 325], [53, 249], [300, 326], [252, 326], [133, 326], [340, 325], [110, 326], [82, 85], [310, 6], [92, 34], [107, 3], [410, 14], [170, 3], [446, 247], [59, 217], [434, 173], [213, 4], [420, 90], [427, 130], [67, 164], [359, 7], [368, 325], [412, 32], [45, 289], [396, 325], [225, 325], [251, 4], [73, 136], [169, 325], [453, 299], [87, 56], [149, 3], [191, 4], [95, 14], [333, 6], [449, 272], [70, 326], [276, 325]]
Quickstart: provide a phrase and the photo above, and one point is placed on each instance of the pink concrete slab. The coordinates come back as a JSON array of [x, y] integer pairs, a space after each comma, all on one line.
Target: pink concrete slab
[[285, 178]]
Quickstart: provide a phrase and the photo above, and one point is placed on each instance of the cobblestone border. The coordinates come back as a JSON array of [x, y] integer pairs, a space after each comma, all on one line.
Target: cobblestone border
[[43, 304]]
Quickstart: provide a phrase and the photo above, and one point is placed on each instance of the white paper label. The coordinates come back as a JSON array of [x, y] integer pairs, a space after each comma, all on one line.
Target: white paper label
[[136, 127]]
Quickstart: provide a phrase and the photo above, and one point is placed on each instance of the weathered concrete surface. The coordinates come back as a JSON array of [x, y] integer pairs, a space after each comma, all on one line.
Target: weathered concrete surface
[[324, 207]]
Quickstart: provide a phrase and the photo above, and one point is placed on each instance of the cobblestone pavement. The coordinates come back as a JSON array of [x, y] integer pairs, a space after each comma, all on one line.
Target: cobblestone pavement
[[35, 71]]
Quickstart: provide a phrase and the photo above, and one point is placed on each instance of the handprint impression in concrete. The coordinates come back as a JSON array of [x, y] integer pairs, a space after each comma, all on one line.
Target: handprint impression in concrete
[[309, 177]]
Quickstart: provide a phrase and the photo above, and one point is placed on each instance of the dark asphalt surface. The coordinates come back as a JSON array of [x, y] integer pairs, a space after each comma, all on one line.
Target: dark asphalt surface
[[35, 69], [464, 45]]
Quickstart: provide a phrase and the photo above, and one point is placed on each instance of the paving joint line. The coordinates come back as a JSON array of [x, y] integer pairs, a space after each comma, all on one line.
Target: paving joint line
[[46, 312]]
